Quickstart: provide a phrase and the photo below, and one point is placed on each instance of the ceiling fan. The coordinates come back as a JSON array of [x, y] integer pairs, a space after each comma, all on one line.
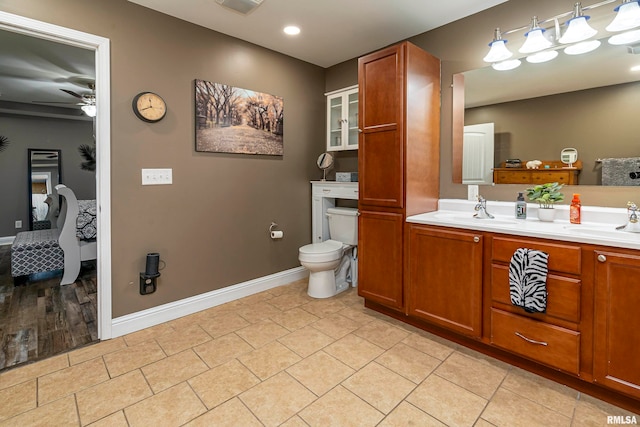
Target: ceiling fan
[[87, 102]]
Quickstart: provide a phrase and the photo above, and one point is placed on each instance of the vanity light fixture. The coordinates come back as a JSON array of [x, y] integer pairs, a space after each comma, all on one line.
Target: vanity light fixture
[[577, 27], [536, 41], [628, 37], [89, 110], [499, 51], [627, 17], [582, 47], [507, 65], [544, 56]]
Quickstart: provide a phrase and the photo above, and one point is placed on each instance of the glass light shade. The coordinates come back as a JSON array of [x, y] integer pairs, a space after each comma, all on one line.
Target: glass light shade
[[540, 57], [628, 17], [628, 37], [89, 110], [535, 41], [580, 48], [578, 30], [498, 52], [506, 65]]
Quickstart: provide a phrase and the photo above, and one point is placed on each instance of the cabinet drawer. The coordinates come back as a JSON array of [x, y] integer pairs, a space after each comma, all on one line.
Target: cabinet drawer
[[536, 340], [512, 177], [542, 177], [563, 258], [563, 294]]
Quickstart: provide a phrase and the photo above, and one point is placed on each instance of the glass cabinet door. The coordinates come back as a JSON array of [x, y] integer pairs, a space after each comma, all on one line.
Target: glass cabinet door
[[342, 119], [352, 99], [335, 122]]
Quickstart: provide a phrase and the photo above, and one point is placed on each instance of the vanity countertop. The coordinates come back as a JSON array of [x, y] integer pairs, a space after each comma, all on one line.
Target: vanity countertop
[[598, 225]]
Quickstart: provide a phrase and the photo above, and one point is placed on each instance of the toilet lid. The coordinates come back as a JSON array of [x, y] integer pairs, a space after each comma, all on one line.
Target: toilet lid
[[328, 248]]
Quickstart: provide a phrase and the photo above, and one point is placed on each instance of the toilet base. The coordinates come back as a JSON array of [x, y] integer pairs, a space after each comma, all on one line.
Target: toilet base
[[322, 284]]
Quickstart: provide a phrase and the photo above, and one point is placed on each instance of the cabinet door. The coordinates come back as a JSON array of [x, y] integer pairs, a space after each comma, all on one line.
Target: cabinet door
[[381, 151], [617, 321], [351, 128], [380, 257], [445, 278], [335, 121]]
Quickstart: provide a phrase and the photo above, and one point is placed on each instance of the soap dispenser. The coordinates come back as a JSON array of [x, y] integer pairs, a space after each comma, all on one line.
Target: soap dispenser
[[521, 207]]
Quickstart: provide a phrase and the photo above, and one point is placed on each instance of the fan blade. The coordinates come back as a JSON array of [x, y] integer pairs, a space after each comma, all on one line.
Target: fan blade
[[56, 102], [72, 93]]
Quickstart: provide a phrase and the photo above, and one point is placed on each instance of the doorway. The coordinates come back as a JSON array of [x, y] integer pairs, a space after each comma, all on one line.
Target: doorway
[[100, 46]]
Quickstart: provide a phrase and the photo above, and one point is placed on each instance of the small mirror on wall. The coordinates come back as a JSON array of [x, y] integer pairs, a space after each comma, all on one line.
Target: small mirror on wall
[[45, 173]]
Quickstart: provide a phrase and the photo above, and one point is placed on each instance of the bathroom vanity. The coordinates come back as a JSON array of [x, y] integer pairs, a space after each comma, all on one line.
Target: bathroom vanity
[[456, 284]]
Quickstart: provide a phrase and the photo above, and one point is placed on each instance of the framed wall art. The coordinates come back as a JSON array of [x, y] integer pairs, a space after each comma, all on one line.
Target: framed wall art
[[240, 121]]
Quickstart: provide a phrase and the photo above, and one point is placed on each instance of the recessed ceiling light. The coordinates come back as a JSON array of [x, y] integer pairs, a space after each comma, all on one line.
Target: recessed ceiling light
[[635, 68], [291, 30]]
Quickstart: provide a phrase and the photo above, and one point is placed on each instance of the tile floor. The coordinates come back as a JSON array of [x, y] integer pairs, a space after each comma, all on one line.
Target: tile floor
[[282, 358]]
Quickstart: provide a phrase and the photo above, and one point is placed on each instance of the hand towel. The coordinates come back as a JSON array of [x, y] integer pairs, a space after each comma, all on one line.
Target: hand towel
[[528, 279]]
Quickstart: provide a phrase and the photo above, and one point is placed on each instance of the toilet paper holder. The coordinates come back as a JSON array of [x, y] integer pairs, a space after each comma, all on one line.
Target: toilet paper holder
[[275, 234]]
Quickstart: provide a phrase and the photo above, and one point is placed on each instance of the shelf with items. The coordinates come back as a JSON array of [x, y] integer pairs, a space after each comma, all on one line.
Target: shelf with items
[[342, 119]]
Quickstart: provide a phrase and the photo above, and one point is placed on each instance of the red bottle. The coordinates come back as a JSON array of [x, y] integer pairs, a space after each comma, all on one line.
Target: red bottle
[[574, 209]]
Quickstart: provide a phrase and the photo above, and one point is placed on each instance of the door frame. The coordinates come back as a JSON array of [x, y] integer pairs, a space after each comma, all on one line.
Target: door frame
[[101, 46]]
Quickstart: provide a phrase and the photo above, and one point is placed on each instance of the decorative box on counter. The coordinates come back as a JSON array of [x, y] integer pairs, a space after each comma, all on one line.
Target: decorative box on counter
[[347, 176]]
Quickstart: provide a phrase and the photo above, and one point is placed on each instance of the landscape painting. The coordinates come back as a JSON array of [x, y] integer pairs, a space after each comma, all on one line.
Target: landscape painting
[[241, 121]]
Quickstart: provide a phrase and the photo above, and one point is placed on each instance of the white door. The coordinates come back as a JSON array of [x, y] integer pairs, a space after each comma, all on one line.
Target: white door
[[477, 154]]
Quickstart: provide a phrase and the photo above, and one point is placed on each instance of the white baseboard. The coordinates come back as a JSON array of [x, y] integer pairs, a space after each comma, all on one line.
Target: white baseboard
[[7, 240], [163, 313]]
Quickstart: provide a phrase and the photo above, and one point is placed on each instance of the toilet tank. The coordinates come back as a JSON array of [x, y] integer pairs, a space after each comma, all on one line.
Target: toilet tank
[[343, 225]]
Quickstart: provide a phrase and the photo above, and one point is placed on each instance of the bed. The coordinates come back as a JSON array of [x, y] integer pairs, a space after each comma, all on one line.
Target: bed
[[64, 247]]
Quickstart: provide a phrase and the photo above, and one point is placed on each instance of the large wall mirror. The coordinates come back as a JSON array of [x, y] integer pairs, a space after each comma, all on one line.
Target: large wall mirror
[[44, 173], [588, 102]]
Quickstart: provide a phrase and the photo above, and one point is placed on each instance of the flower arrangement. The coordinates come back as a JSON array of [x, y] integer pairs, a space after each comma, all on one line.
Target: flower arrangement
[[546, 194]]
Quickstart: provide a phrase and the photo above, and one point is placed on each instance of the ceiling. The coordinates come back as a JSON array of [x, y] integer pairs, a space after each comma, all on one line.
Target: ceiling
[[333, 31]]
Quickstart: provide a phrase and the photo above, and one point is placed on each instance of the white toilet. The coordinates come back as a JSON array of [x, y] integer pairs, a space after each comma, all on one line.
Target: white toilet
[[333, 264]]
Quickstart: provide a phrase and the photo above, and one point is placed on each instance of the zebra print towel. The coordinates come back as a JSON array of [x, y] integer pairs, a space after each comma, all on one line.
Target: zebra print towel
[[528, 280]]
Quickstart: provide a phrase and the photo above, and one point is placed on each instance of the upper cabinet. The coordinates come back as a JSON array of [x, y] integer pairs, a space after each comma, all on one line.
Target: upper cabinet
[[342, 119]]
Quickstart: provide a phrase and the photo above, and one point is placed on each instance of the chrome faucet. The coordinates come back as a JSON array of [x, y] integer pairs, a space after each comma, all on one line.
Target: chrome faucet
[[633, 223], [481, 208]]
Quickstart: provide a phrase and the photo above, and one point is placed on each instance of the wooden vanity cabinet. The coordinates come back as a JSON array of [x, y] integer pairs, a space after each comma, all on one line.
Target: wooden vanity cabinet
[[617, 320], [445, 278], [398, 161]]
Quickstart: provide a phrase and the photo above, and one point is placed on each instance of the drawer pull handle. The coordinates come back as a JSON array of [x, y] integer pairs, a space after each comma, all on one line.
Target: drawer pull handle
[[326, 190], [602, 258], [530, 340], [476, 239]]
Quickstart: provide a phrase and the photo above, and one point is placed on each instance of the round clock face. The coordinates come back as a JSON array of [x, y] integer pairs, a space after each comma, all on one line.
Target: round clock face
[[149, 107]]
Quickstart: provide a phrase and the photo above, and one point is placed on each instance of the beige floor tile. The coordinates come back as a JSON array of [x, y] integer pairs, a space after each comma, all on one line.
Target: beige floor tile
[[359, 314], [269, 360], [96, 350], [354, 351], [148, 334], [485, 423], [257, 298], [381, 334], [33, 370], [306, 341], [430, 345], [59, 413], [320, 372], [552, 395], [447, 402], [17, 399], [294, 319], [294, 421], [130, 358], [223, 324], [407, 415], [592, 412], [323, 307], [222, 383], [408, 362], [256, 312], [511, 410], [336, 325], [350, 297], [222, 349], [182, 339], [277, 399], [71, 380], [106, 398], [173, 370], [114, 420], [232, 413], [287, 301], [262, 333], [172, 407], [340, 408], [378, 386], [475, 375]]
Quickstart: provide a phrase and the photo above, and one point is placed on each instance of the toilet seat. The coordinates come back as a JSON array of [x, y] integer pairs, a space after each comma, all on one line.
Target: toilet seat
[[329, 250]]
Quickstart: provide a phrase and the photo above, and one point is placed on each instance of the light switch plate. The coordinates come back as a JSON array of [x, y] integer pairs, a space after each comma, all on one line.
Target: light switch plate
[[472, 192], [157, 176]]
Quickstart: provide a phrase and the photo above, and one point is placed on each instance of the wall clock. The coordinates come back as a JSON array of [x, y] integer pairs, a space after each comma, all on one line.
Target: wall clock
[[149, 107]]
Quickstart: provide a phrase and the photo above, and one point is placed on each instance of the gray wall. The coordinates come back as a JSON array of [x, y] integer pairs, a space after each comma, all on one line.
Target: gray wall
[[26, 132], [211, 225]]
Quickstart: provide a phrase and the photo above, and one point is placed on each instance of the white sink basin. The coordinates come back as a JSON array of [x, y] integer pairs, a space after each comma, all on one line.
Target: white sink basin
[[461, 218], [606, 232]]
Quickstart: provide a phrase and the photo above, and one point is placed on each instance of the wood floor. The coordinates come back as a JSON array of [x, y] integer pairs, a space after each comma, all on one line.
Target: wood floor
[[42, 318]]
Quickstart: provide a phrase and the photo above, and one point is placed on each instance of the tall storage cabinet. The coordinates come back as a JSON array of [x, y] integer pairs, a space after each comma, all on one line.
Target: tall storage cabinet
[[398, 161]]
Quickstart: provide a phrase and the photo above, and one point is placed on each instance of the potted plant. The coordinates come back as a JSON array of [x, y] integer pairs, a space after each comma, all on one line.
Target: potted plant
[[546, 195]]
